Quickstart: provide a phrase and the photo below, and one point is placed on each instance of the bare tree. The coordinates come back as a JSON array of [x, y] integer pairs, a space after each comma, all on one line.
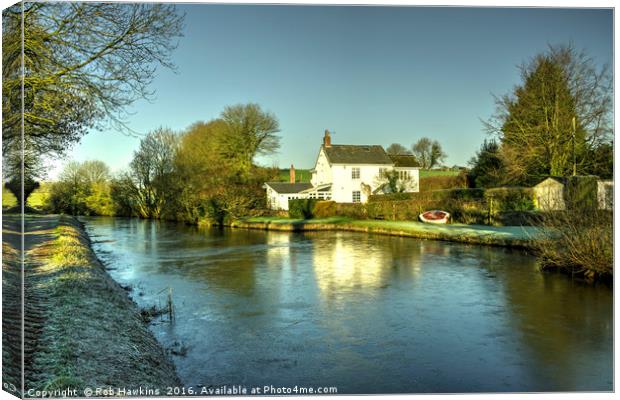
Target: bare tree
[[428, 152], [437, 154], [251, 132], [95, 171], [391, 181], [152, 172], [397, 149], [84, 63]]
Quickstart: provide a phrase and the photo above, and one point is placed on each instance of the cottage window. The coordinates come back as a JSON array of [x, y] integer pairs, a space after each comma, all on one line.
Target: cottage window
[[355, 173], [357, 196], [382, 172], [403, 175]]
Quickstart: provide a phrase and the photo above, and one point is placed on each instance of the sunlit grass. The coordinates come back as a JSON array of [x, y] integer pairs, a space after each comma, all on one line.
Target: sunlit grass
[[39, 198], [90, 322], [8, 199], [67, 249], [431, 172], [479, 234]]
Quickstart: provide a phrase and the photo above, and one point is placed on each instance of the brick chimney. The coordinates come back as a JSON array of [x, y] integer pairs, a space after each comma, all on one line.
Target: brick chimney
[[292, 174], [327, 139]]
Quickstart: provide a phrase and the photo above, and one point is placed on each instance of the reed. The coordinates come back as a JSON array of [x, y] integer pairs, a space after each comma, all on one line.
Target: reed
[[578, 241]]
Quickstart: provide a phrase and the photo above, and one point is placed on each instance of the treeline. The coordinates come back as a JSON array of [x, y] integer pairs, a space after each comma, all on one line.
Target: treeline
[[203, 174], [557, 122], [428, 153]]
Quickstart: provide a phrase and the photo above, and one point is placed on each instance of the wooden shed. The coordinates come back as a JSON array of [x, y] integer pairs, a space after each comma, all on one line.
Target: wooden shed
[[549, 194]]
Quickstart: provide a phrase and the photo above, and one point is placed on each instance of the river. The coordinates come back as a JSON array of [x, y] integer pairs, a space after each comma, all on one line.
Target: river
[[363, 313]]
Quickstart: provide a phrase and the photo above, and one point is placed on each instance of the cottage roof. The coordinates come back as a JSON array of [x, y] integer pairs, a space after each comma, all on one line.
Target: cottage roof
[[285, 187], [552, 179], [356, 154], [404, 160]]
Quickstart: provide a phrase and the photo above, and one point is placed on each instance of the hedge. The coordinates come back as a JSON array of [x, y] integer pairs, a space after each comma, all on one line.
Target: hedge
[[449, 194], [503, 206], [441, 182], [325, 209], [301, 208], [581, 193], [510, 199], [463, 211]]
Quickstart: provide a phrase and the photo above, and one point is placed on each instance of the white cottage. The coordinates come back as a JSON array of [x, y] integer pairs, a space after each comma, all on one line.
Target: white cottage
[[348, 174], [279, 193]]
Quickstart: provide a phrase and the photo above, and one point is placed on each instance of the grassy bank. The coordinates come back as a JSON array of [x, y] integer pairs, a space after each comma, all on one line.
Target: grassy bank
[[512, 236], [86, 331]]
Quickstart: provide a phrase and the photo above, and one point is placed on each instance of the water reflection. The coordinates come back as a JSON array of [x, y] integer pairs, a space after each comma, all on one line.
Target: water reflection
[[556, 319], [366, 313]]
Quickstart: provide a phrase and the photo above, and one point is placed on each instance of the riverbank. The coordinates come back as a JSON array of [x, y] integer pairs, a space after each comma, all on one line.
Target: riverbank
[[81, 329], [509, 236]]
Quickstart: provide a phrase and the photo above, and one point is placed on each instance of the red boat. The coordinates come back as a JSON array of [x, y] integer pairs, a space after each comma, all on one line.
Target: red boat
[[435, 217]]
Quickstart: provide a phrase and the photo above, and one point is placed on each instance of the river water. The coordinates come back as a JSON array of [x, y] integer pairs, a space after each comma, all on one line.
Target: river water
[[359, 312]]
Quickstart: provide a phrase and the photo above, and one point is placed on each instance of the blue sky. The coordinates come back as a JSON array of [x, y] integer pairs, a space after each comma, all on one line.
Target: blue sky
[[374, 75]]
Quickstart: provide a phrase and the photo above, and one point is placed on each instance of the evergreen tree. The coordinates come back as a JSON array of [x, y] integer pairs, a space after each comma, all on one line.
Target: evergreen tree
[[553, 122], [487, 166]]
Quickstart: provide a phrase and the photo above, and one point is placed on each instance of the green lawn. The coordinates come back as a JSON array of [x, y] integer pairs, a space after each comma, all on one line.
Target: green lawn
[[424, 173], [478, 234], [301, 175]]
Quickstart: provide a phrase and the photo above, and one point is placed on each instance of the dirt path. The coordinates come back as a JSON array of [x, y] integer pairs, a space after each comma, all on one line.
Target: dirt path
[[38, 230], [80, 327]]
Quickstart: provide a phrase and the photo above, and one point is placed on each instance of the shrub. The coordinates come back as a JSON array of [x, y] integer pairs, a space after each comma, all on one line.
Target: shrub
[[352, 210], [578, 241], [324, 209], [517, 218], [468, 206], [460, 194], [502, 206], [581, 193], [301, 208], [441, 182], [510, 199], [463, 211]]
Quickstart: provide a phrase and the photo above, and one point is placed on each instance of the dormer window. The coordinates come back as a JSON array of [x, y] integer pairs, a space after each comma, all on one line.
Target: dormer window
[[355, 173]]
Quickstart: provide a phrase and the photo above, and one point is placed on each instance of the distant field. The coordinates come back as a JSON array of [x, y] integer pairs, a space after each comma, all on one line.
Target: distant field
[[431, 172], [301, 175]]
